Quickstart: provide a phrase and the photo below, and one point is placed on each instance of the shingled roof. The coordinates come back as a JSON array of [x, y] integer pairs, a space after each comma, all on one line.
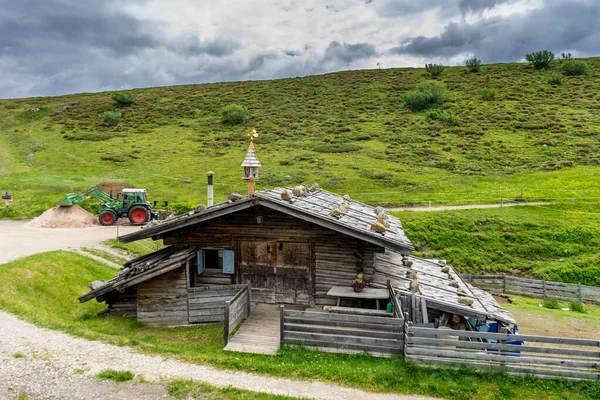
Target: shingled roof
[[141, 269], [314, 205], [434, 286]]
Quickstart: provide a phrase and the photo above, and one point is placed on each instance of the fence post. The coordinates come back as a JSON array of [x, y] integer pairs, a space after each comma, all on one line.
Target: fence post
[[406, 335], [504, 283], [281, 317], [470, 278], [249, 300], [544, 288], [501, 202], [226, 324], [579, 291]]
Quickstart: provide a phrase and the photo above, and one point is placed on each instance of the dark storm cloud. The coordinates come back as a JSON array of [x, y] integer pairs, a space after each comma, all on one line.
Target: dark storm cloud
[[347, 52], [557, 25], [60, 46]]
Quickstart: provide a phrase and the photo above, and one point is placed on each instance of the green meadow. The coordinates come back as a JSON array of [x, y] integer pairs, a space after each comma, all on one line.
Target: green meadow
[[351, 132]]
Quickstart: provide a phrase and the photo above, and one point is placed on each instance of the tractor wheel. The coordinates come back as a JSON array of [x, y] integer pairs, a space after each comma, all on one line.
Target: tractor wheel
[[139, 215], [107, 218]]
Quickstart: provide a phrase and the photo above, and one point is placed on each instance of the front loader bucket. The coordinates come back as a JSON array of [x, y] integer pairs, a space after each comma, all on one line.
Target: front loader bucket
[[69, 200]]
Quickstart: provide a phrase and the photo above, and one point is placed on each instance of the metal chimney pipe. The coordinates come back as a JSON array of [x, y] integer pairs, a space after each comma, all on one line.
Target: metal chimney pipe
[[210, 187]]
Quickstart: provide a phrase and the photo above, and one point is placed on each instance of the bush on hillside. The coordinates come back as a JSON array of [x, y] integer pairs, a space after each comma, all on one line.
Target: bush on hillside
[[427, 94], [540, 59], [555, 79], [123, 99], [489, 94], [234, 114], [574, 67], [417, 101], [434, 69], [112, 118], [435, 90], [473, 64]]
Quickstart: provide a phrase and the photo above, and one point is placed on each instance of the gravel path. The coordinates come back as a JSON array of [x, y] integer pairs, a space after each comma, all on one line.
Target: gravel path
[[50, 361], [464, 207], [17, 239]]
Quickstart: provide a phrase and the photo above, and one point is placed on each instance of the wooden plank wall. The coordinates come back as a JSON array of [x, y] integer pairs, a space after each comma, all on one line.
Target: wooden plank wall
[[207, 304], [122, 304], [535, 288], [380, 336], [541, 356], [163, 301], [270, 252], [337, 263]]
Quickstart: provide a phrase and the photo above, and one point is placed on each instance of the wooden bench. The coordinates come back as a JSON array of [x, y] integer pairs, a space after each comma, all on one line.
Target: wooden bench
[[357, 311]]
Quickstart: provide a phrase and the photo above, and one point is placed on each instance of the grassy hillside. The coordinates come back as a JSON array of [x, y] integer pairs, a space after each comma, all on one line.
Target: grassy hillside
[[59, 277], [349, 131], [522, 241]]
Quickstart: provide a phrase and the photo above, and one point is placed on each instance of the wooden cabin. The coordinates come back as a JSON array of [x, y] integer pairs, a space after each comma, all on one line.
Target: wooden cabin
[[291, 246]]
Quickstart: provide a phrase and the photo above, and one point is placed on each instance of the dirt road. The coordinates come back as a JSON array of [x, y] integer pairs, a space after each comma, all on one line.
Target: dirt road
[[463, 207], [66, 356], [17, 239]]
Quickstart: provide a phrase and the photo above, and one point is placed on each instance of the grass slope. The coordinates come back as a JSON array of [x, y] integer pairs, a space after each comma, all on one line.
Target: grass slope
[[526, 240], [58, 278], [349, 131]]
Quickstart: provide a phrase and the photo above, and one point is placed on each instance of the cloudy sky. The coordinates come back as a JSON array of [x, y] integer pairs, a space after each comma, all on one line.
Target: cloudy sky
[[52, 47]]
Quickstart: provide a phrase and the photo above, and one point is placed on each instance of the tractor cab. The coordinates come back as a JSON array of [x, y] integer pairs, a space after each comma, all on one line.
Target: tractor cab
[[133, 196]]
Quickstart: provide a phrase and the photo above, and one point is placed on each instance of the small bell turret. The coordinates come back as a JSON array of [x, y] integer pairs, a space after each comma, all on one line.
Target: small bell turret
[[251, 164]]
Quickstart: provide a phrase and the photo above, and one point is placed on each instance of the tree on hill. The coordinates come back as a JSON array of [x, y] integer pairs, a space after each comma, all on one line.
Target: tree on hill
[[540, 59]]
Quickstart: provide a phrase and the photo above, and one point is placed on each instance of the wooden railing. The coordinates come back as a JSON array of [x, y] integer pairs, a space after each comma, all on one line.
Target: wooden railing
[[535, 288], [237, 309], [345, 333], [541, 356]]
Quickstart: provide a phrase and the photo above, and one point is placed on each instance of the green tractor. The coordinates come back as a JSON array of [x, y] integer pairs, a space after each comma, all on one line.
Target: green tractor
[[130, 203]]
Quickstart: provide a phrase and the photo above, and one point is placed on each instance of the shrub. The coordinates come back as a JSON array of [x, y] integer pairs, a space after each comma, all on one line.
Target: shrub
[[577, 307], [444, 116], [234, 114], [112, 118], [551, 304], [487, 80], [416, 100], [435, 91], [473, 64], [488, 94], [565, 56], [540, 59], [434, 69], [427, 93], [123, 99], [555, 79], [574, 67]]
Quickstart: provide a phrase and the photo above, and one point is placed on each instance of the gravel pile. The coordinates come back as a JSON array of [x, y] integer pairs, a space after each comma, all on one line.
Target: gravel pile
[[65, 217]]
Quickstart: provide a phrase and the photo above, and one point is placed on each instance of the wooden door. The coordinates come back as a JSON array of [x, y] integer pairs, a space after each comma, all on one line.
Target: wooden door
[[293, 273]]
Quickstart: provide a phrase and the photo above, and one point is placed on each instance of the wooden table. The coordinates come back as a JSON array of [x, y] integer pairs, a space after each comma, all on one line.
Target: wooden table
[[348, 292]]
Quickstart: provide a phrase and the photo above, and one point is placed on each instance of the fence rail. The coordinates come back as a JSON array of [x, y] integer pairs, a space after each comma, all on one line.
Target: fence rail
[[535, 288], [346, 333], [548, 357], [236, 309]]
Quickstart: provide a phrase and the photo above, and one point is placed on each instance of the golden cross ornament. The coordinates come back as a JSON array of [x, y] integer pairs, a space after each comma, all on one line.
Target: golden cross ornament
[[252, 134]]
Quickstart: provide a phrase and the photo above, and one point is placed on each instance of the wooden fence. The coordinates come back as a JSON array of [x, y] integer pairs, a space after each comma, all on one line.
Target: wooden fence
[[348, 333], [207, 303], [541, 356], [535, 288], [236, 309]]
